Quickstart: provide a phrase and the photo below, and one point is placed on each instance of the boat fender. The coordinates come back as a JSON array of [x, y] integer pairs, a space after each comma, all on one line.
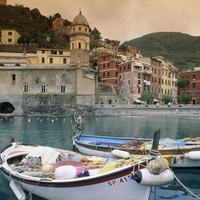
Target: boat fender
[[47, 168], [193, 155], [146, 178], [65, 172], [19, 193], [120, 153], [158, 165]]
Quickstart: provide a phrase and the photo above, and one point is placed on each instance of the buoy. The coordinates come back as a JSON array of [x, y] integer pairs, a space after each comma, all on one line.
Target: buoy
[[158, 165], [19, 193], [65, 172], [47, 168], [120, 153], [193, 155], [146, 178]]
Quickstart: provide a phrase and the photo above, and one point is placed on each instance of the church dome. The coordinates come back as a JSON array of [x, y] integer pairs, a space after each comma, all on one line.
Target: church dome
[[80, 19]]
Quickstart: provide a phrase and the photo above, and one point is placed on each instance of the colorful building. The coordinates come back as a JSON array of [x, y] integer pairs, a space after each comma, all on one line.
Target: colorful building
[[194, 87]]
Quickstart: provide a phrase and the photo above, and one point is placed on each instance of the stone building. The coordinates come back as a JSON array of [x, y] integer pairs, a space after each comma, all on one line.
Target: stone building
[[53, 81]]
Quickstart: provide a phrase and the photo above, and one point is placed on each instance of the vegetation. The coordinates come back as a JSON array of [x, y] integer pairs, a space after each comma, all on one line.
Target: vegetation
[[183, 83], [185, 97], [31, 25], [147, 97], [166, 99], [182, 50]]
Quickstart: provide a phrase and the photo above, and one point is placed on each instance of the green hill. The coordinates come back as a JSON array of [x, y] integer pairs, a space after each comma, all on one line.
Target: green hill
[[31, 25], [182, 50]]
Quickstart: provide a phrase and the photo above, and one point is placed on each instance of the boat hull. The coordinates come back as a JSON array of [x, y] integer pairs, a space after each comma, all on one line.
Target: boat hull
[[118, 187], [175, 155], [116, 184]]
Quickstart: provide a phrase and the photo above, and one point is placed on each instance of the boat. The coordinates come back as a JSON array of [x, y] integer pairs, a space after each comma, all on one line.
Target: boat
[[52, 173], [180, 153]]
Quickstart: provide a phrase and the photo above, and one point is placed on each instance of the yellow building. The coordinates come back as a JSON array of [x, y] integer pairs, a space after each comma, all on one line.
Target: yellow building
[[53, 56], [169, 79], [9, 36]]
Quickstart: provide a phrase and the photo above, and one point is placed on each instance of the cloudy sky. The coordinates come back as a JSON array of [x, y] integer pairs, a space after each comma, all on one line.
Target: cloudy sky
[[124, 20]]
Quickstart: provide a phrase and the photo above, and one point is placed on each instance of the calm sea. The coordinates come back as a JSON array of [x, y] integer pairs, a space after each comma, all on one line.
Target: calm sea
[[57, 132]]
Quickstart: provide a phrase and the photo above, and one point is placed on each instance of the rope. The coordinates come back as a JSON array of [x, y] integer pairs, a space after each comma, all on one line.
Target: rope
[[182, 183]]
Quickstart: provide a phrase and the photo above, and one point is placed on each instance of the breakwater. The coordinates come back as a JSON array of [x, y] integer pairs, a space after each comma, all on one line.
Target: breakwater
[[131, 110]]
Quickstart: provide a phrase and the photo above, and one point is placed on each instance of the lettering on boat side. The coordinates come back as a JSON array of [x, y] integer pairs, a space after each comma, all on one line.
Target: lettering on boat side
[[121, 180]]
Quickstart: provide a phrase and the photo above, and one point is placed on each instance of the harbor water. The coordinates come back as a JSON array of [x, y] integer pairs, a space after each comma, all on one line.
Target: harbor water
[[57, 132]]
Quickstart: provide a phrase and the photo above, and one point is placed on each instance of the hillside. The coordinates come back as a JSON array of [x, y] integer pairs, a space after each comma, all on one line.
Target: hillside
[[31, 25], [181, 49]]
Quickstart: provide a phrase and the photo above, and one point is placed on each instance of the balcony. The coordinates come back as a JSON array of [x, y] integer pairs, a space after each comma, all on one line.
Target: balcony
[[147, 82], [148, 72]]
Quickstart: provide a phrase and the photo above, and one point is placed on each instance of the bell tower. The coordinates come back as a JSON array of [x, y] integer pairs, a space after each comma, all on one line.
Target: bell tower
[[80, 42]]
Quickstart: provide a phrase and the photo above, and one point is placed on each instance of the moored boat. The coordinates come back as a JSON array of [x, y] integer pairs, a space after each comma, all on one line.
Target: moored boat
[[59, 174], [182, 153]]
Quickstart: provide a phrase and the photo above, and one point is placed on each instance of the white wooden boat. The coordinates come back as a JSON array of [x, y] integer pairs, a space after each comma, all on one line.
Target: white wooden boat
[[58, 174], [183, 153]]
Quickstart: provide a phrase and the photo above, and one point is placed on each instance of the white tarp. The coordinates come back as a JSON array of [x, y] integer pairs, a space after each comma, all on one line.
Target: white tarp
[[47, 154]]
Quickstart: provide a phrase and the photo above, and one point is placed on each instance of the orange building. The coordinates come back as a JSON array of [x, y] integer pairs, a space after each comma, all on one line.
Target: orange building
[[107, 66], [156, 78], [194, 87]]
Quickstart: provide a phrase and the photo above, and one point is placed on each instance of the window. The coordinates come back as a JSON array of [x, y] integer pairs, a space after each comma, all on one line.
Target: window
[[53, 52], [9, 33], [64, 60], [124, 67], [79, 28], [43, 60], [193, 85], [51, 60], [9, 40], [13, 78], [108, 64], [43, 51], [139, 76], [43, 88], [25, 88], [194, 76], [62, 88], [60, 52], [104, 65], [108, 74], [103, 74], [79, 45]]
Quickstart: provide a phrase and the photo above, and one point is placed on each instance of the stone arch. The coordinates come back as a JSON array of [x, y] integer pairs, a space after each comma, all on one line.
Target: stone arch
[[6, 108]]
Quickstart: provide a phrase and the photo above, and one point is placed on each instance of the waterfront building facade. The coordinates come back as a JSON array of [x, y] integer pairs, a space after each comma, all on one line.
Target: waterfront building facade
[[194, 87]]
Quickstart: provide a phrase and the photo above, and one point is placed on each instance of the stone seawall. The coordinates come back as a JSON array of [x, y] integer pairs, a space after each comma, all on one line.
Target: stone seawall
[[143, 111]]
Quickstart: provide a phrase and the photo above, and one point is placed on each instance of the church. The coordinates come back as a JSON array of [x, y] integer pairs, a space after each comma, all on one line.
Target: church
[[51, 81]]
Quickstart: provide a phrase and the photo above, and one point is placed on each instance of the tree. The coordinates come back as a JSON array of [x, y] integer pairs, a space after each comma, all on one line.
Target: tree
[[96, 34], [147, 97], [166, 99], [183, 83], [185, 97]]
